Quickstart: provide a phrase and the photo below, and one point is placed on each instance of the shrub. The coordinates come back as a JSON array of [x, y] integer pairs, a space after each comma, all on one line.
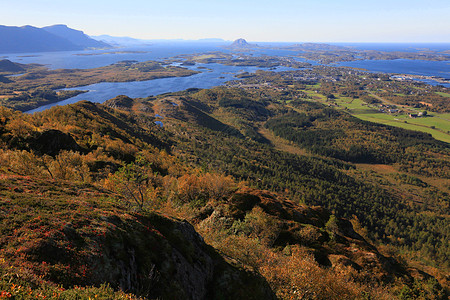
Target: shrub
[[69, 165]]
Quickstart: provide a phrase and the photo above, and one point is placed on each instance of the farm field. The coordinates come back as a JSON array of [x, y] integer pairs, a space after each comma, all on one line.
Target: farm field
[[438, 125]]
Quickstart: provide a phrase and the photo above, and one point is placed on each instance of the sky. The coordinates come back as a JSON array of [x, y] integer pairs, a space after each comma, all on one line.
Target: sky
[[254, 20]]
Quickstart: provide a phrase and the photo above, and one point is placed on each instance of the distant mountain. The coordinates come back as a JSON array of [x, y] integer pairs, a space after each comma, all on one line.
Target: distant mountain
[[211, 40], [317, 47], [76, 37], [241, 44], [120, 41], [54, 38], [128, 41], [32, 39], [9, 66]]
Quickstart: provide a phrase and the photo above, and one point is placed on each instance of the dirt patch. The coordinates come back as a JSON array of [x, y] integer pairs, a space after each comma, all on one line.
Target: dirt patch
[[281, 144], [379, 168], [425, 103]]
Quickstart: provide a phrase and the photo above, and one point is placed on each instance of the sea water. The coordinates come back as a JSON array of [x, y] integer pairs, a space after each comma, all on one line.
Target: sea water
[[215, 74]]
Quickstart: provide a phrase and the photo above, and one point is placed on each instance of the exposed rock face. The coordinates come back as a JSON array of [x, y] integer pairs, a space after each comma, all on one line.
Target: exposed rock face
[[51, 142], [194, 276], [176, 264], [332, 241], [145, 253]]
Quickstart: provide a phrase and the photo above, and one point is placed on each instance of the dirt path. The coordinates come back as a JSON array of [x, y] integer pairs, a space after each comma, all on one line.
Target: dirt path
[[282, 144]]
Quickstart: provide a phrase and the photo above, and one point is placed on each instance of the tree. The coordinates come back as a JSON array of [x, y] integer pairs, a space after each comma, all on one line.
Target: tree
[[131, 182]]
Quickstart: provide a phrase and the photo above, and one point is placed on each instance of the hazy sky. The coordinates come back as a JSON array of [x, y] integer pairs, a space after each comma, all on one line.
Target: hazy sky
[[254, 20]]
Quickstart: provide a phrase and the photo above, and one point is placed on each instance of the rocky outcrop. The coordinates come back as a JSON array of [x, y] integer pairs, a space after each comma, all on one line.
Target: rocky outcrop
[[145, 254], [241, 44], [331, 241], [120, 102], [52, 141]]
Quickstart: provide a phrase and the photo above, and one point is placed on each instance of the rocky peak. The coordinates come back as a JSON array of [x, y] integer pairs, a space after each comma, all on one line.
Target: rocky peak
[[120, 102], [241, 43]]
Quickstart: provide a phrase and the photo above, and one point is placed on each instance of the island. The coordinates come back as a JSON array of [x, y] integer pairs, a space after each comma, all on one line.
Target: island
[[27, 86]]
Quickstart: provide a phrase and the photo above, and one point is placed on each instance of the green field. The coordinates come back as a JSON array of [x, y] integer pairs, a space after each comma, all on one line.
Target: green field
[[412, 124], [443, 94], [438, 125]]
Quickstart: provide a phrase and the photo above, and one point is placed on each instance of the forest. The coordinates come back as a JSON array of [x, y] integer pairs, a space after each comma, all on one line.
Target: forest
[[256, 191]]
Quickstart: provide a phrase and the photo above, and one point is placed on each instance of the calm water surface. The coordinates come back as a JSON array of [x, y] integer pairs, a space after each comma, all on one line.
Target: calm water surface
[[79, 59], [404, 66], [216, 75]]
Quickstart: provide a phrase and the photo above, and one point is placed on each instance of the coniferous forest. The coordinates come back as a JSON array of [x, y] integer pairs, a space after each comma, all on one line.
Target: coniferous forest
[[233, 192]]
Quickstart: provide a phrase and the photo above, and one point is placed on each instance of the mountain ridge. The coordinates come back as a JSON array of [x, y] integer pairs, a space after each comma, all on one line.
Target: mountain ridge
[[76, 37], [129, 41], [33, 39]]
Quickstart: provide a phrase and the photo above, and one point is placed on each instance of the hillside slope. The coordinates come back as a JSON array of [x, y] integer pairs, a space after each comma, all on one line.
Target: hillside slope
[[79, 235], [112, 188], [394, 180]]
